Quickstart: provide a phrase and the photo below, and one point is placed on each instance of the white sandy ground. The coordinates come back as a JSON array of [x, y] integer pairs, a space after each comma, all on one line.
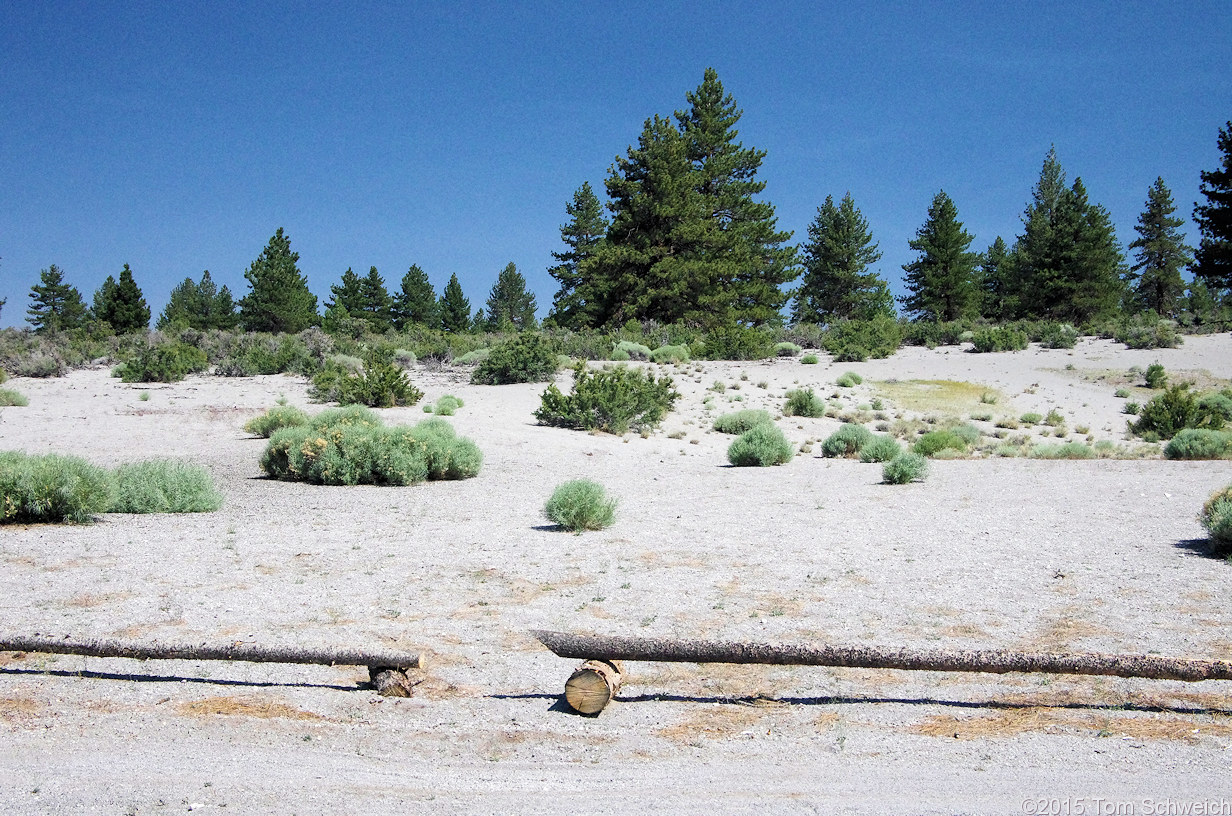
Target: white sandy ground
[[987, 553]]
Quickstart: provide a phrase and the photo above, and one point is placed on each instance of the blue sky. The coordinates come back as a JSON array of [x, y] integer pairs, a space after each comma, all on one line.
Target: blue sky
[[177, 137]]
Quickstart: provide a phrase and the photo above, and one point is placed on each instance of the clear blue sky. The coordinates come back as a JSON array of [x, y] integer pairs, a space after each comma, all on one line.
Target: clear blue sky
[[177, 137]]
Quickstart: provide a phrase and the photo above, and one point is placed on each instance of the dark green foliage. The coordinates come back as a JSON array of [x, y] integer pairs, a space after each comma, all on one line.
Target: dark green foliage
[[880, 449], [933, 333], [738, 343], [1054, 335], [1161, 255], [201, 306], [738, 422], [1155, 376], [846, 441], [581, 235], [415, 302], [1216, 517], [809, 359], [904, 468], [510, 306], [580, 504], [529, 357], [55, 305], [453, 308], [52, 488], [121, 305], [997, 298], [804, 402], [376, 304], [349, 447], [934, 441], [1147, 331], [1168, 413], [1199, 443], [1213, 258], [279, 299], [257, 353], [166, 362], [280, 416], [941, 281], [837, 283], [854, 341], [164, 486], [761, 446], [380, 385], [611, 400], [999, 338]]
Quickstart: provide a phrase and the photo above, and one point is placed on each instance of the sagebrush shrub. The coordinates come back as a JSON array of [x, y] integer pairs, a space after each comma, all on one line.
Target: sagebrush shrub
[[738, 422], [169, 362], [526, 358], [999, 338], [613, 400], [667, 355], [1147, 332], [254, 353], [846, 441], [10, 398], [904, 468], [880, 449], [1199, 443], [933, 442], [164, 486], [52, 488], [280, 416], [379, 385], [787, 349], [848, 380], [1057, 335], [628, 350], [1216, 517], [473, 357], [804, 402], [760, 446], [1068, 450], [737, 343], [854, 341], [1155, 376], [809, 359], [446, 405], [580, 504]]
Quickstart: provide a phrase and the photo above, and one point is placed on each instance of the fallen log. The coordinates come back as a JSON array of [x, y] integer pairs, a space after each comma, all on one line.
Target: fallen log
[[593, 685], [387, 668], [594, 647]]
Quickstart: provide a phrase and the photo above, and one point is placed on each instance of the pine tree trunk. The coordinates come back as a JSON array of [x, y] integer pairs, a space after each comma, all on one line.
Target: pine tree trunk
[[590, 647]]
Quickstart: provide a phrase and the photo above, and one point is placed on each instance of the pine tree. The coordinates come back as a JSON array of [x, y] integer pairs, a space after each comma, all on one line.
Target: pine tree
[[376, 303], [454, 308], [941, 281], [995, 276], [54, 304], [509, 305], [347, 294], [121, 304], [279, 300], [581, 235], [201, 306], [837, 283], [1161, 254], [415, 302], [1036, 266], [1213, 259]]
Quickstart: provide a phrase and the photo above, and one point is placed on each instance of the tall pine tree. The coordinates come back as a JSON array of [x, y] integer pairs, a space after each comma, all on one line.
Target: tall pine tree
[[1161, 254], [200, 306], [279, 299], [837, 283], [996, 281], [581, 235], [376, 305], [1213, 259], [510, 306], [454, 308], [941, 280], [415, 302], [54, 304], [121, 304]]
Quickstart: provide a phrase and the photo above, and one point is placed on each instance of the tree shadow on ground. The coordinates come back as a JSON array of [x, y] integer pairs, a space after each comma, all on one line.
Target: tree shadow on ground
[[171, 678], [1203, 547]]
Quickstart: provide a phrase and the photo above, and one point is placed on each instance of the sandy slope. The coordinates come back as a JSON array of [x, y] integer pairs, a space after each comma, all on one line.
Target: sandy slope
[[988, 553]]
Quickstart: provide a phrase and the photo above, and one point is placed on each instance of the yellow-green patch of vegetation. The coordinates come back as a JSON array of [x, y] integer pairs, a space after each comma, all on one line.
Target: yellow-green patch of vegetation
[[940, 396]]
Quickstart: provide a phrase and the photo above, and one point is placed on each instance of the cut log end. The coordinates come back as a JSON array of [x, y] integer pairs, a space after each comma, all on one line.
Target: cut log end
[[593, 685]]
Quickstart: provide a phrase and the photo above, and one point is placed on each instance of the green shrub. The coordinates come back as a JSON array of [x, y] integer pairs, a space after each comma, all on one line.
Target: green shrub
[[1121, 393], [737, 343], [760, 446], [740, 421], [803, 402], [1054, 418], [880, 449], [628, 350], [611, 400], [1069, 450], [787, 349], [280, 416], [904, 468], [579, 505], [1147, 332], [446, 405], [666, 355], [1199, 443], [1215, 410], [380, 385], [1155, 377], [52, 488], [848, 380], [170, 362], [932, 333], [1031, 418], [347, 447], [164, 486], [854, 341], [10, 398], [999, 338], [1056, 335], [846, 441], [1172, 411], [1132, 408], [254, 353], [1216, 517], [526, 358], [966, 432], [404, 358], [4, 377], [808, 359], [473, 357], [933, 442]]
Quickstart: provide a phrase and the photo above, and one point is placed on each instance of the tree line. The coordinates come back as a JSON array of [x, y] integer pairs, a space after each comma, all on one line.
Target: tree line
[[683, 237]]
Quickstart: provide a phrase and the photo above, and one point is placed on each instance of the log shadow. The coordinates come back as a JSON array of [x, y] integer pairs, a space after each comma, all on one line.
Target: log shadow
[[1204, 548], [170, 678], [559, 704]]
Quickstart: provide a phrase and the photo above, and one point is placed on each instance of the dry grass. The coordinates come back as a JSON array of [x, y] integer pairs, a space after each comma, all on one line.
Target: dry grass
[[244, 707], [89, 600], [13, 709], [714, 722], [939, 396], [1039, 720]]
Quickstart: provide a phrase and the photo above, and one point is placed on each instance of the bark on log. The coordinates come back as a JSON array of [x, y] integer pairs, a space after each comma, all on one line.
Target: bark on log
[[247, 652], [593, 685], [394, 682], [592, 647]]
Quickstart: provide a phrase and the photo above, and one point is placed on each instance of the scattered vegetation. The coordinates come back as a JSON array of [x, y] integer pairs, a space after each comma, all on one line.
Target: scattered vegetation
[[804, 402], [1068, 450], [164, 486], [381, 384], [1178, 408], [904, 468], [526, 358], [761, 446], [846, 441], [738, 422], [613, 400], [581, 504], [999, 338]]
